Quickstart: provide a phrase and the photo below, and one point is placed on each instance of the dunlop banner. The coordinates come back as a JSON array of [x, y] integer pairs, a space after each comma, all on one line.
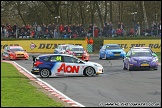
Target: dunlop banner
[[155, 45], [42, 46]]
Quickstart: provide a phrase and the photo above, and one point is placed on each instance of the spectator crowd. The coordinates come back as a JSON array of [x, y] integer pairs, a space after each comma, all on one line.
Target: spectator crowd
[[76, 30]]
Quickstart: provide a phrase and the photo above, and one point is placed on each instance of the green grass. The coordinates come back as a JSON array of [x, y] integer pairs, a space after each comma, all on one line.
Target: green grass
[[16, 91], [159, 56]]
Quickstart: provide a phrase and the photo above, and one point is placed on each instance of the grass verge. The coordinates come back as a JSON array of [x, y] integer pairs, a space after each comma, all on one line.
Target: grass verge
[[16, 91], [159, 56]]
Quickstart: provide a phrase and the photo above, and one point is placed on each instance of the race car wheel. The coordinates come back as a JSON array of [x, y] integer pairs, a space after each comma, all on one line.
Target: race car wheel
[[156, 69], [100, 57], [44, 73], [129, 68], [124, 68], [27, 59], [3, 57], [89, 71], [10, 58], [105, 57]]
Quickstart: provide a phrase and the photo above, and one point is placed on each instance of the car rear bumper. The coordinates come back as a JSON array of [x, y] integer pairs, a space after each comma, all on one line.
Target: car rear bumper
[[35, 71]]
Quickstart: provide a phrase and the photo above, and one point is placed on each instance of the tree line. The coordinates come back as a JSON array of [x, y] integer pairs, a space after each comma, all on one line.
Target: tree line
[[81, 12]]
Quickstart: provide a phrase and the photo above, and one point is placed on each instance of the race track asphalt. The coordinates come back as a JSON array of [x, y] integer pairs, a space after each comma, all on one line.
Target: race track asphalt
[[115, 85]]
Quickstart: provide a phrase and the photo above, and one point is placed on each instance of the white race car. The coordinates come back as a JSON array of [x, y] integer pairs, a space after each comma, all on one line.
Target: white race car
[[61, 48], [64, 65]]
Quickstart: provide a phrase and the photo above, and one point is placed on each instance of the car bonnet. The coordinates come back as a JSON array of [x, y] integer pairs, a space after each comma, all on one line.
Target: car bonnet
[[93, 63]]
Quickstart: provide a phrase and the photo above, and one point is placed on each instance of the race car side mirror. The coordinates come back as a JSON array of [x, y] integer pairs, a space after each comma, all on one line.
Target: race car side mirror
[[153, 55], [127, 55]]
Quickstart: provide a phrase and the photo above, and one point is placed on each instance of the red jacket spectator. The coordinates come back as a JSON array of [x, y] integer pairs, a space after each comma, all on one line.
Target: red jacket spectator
[[69, 29], [61, 28], [118, 31], [131, 31], [95, 32], [9, 28], [28, 27], [32, 34]]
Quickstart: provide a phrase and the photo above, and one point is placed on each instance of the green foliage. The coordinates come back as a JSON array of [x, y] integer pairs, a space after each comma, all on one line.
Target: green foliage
[[78, 12], [159, 56]]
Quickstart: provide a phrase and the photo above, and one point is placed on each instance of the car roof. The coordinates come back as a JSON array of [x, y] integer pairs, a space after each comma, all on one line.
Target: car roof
[[112, 44], [140, 51], [15, 47], [77, 46], [54, 54], [141, 47]]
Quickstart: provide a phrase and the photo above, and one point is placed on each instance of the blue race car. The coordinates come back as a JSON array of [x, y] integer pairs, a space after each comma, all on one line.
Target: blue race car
[[109, 51], [140, 59]]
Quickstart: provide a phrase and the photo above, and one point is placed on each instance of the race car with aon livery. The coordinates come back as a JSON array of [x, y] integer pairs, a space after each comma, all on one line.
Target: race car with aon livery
[[64, 65]]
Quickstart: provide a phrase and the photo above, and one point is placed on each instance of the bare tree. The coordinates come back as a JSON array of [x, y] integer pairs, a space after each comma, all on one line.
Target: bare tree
[[99, 13], [144, 14]]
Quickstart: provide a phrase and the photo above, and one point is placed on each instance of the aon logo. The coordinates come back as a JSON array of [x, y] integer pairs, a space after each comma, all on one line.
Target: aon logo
[[68, 68]]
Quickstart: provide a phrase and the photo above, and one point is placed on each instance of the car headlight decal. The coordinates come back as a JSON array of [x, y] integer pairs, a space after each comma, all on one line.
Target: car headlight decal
[[96, 65], [154, 60], [134, 60]]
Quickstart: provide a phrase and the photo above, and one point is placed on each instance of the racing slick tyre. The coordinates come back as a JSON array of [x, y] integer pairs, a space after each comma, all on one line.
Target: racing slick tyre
[[9, 58], [129, 68], [156, 69], [107, 58], [124, 68], [27, 59], [45, 73], [2, 57], [89, 71], [100, 57]]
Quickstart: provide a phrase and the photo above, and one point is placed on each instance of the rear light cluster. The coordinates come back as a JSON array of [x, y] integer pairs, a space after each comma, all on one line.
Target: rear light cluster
[[37, 63], [74, 54]]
